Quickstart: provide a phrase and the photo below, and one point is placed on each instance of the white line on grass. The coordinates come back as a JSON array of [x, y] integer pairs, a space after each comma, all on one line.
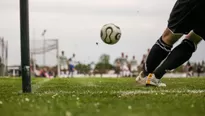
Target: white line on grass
[[39, 84], [126, 93]]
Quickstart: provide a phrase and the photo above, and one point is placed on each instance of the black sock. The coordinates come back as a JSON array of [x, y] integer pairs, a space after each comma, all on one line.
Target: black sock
[[176, 58], [157, 54]]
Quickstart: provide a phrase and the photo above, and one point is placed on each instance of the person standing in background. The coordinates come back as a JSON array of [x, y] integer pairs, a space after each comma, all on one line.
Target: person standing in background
[[63, 65], [133, 66], [123, 65], [72, 63]]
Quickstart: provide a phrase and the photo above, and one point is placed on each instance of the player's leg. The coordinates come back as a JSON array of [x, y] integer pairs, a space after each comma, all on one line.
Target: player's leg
[[127, 72], [73, 70], [158, 53], [182, 20], [131, 71], [164, 44], [124, 71], [118, 71], [184, 51], [179, 54], [61, 71], [121, 71], [163, 47], [66, 70], [134, 70], [70, 70]]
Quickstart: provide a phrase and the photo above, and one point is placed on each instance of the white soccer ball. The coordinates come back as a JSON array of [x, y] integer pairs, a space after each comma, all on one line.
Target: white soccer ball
[[110, 34]]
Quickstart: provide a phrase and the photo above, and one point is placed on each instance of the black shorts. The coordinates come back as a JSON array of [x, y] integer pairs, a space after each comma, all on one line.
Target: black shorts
[[188, 15]]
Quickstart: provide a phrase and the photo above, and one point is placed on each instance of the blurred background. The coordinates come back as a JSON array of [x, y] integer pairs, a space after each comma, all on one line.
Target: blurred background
[[73, 26]]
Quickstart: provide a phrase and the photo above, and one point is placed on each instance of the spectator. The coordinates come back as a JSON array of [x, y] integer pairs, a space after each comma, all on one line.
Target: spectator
[[63, 64], [133, 66], [117, 67], [189, 69], [127, 73], [199, 69], [144, 58], [123, 65], [72, 63]]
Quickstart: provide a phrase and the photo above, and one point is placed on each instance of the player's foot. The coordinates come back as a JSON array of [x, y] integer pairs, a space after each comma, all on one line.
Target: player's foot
[[140, 79], [151, 80]]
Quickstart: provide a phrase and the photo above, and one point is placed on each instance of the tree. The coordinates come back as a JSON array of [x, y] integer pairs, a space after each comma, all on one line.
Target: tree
[[104, 64], [105, 58], [83, 68]]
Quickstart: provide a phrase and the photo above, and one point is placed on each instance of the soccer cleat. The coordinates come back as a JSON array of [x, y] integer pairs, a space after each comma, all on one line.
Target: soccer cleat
[[153, 81], [140, 79]]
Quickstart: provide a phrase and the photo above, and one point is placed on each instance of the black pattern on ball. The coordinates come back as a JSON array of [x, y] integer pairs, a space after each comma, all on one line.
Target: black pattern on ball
[[101, 33], [117, 37], [109, 36]]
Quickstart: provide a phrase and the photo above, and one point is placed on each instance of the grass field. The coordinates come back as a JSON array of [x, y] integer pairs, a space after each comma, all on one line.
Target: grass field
[[102, 97]]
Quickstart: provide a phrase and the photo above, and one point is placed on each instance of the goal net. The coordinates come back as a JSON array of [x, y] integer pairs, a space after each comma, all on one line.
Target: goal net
[[44, 54]]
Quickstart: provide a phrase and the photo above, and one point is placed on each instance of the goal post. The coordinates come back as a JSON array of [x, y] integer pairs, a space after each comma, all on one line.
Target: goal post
[[25, 52]]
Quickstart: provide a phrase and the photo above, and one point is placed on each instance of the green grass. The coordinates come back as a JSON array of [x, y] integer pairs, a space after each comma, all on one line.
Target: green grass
[[102, 97]]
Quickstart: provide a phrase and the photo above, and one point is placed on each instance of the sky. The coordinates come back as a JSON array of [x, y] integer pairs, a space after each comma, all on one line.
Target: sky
[[77, 23]]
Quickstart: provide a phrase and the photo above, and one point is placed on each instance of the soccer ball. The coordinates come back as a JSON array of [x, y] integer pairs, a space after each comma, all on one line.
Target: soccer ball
[[110, 34]]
